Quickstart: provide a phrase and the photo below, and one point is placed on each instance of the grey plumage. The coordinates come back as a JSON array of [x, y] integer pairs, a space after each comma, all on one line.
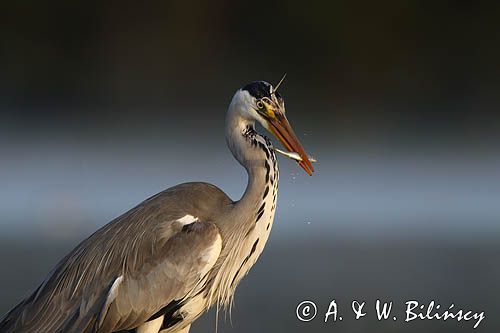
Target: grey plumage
[[72, 299], [159, 266]]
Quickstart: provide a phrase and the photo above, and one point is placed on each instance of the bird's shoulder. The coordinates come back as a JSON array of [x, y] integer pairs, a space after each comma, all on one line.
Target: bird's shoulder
[[191, 195]]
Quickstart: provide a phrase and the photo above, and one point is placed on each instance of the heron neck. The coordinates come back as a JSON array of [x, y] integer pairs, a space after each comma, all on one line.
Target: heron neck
[[249, 149], [255, 188]]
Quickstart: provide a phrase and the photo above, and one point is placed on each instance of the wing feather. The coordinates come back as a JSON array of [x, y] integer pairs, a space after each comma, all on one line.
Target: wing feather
[[160, 262]]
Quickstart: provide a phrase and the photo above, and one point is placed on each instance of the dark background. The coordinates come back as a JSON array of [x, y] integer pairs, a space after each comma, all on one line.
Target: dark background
[[103, 104]]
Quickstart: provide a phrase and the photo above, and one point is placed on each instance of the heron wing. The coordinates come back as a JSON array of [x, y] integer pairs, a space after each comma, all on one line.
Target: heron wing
[[129, 270], [160, 287]]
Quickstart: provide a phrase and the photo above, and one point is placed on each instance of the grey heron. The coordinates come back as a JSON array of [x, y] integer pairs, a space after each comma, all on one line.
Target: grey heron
[[161, 265]]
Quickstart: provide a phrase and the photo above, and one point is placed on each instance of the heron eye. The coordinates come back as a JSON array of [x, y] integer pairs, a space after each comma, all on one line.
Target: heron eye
[[259, 104]]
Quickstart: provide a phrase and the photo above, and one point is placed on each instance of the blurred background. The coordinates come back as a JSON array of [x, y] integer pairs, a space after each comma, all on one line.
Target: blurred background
[[103, 104]]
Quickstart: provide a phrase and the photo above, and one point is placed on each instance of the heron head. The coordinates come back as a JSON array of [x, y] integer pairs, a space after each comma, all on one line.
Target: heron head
[[267, 107]]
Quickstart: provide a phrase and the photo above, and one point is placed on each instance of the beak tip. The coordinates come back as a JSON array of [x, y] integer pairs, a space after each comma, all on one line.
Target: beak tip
[[308, 168]]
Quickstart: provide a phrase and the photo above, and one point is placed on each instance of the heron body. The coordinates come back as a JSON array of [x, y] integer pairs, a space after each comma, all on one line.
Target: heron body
[[162, 264]]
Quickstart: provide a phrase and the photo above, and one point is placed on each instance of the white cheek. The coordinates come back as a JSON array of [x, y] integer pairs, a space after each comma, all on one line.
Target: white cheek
[[257, 117], [245, 105]]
